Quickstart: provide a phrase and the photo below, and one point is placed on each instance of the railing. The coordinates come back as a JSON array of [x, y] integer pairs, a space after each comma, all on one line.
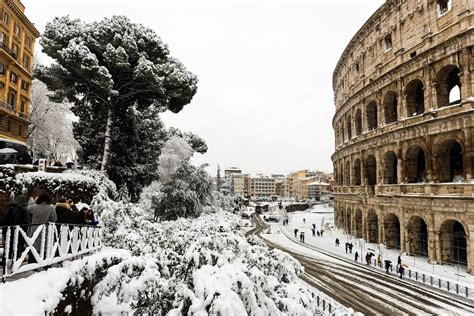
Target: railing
[[49, 244], [10, 108]]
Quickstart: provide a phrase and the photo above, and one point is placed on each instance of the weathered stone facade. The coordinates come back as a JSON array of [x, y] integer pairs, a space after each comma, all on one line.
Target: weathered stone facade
[[404, 126]]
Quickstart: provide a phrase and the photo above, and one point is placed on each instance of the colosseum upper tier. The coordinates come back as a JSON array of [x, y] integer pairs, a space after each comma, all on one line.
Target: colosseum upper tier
[[404, 130]]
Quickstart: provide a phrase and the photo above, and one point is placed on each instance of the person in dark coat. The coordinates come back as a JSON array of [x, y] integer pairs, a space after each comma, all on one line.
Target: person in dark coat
[[347, 246], [296, 232], [302, 236], [337, 242], [16, 214], [350, 247], [65, 213], [313, 232], [356, 256], [401, 270], [388, 265]]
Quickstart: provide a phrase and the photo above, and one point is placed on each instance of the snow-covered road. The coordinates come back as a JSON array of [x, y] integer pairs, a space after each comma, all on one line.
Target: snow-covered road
[[365, 290]]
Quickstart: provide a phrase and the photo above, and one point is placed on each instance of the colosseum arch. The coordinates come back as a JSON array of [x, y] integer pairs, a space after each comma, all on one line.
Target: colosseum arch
[[453, 240], [358, 122], [357, 170], [390, 167], [448, 86], [349, 126], [372, 227], [347, 173], [415, 161], [392, 231], [371, 170], [348, 221], [358, 224], [390, 107], [417, 229], [415, 98], [371, 116], [450, 162]]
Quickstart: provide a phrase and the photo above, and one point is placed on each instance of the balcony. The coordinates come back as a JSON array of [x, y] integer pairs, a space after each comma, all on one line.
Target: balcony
[[429, 190], [6, 107]]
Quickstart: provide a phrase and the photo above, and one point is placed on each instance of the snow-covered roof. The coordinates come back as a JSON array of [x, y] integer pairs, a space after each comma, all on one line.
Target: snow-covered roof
[[318, 183], [8, 151]]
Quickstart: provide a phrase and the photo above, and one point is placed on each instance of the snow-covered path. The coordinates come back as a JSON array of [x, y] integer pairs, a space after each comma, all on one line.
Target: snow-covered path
[[365, 290]]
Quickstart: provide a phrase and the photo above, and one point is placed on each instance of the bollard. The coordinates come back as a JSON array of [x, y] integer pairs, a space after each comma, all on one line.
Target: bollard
[[448, 285], [409, 274], [324, 305], [416, 275], [423, 278], [318, 300], [431, 280], [467, 291], [330, 308], [457, 288], [439, 282]]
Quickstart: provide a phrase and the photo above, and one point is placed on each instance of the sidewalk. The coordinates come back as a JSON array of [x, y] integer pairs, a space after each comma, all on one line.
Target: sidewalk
[[327, 242]]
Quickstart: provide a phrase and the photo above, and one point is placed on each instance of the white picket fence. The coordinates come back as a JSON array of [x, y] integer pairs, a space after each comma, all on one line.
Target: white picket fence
[[49, 244]]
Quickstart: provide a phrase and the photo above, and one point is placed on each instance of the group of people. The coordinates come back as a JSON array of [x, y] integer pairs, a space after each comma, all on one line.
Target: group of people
[[38, 210]]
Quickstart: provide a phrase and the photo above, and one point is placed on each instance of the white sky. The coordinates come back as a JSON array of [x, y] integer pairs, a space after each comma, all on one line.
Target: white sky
[[265, 100]]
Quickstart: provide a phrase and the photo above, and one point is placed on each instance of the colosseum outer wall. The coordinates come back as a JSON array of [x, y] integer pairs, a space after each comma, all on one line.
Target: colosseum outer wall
[[404, 127]]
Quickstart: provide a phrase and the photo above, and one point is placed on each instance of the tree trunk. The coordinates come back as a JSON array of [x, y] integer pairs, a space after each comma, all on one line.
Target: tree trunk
[[108, 138]]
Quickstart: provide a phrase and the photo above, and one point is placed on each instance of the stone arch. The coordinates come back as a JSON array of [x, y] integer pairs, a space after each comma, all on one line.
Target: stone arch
[[371, 170], [347, 174], [415, 164], [371, 116], [415, 98], [372, 227], [447, 82], [348, 220], [392, 231], [358, 223], [349, 126], [418, 237], [358, 122], [390, 107], [390, 167], [450, 161], [357, 172], [453, 240]]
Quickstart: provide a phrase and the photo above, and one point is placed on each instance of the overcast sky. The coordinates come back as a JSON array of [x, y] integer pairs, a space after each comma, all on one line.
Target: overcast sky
[[265, 100]]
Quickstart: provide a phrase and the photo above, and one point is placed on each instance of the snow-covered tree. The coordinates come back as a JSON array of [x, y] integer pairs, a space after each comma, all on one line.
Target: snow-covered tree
[[50, 133], [197, 143], [173, 154], [218, 179], [107, 67]]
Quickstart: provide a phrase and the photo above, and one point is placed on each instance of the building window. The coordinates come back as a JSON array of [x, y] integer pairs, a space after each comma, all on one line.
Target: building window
[[20, 130], [24, 85], [9, 125], [3, 39], [443, 6], [5, 17], [12, 99], [388, 42], [26, 61], [15, 51], [357, 69], [28, 41], [13, 77], [17, 30], [2, 69], [22, 105]]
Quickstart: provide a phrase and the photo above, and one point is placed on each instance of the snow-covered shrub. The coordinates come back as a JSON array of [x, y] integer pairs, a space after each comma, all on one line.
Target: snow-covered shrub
[[173, 154]]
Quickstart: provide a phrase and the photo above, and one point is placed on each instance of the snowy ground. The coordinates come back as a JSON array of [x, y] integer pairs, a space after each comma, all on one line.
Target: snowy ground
[[320, 214]]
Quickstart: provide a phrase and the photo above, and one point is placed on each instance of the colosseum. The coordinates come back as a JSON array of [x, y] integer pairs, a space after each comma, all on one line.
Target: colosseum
[[404, 130]]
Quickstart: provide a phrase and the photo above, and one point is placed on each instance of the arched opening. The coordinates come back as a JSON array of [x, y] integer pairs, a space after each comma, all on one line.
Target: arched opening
[[358, 122], [448, 86], [357, 172], [390, 105], [343, 133], [373, 227], [372, 122], [358, 224], [371, 170], [415, 98], [392, 231], [349, 127], [453, 243], [348, 221], [450, 162], [347, 174], [390, 167], [418, 236], [415, 165]]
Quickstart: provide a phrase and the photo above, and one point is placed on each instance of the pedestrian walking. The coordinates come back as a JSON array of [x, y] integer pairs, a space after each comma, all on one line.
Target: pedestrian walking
[[350, 247], [388, 265], [356, 256], [379, 261], [347, 246], [337, 242], [322, 231], [368, 258], [399, 262], [314, 226], [401, 270], [302, 236], [318, 233], [313, 231], [304, 220], [296, 232]]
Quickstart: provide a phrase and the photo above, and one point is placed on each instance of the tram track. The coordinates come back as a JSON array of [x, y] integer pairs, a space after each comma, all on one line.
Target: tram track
[[366, 290]]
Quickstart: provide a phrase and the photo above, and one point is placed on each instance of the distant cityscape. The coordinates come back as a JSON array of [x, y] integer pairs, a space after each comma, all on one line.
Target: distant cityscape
[[299, 185]]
